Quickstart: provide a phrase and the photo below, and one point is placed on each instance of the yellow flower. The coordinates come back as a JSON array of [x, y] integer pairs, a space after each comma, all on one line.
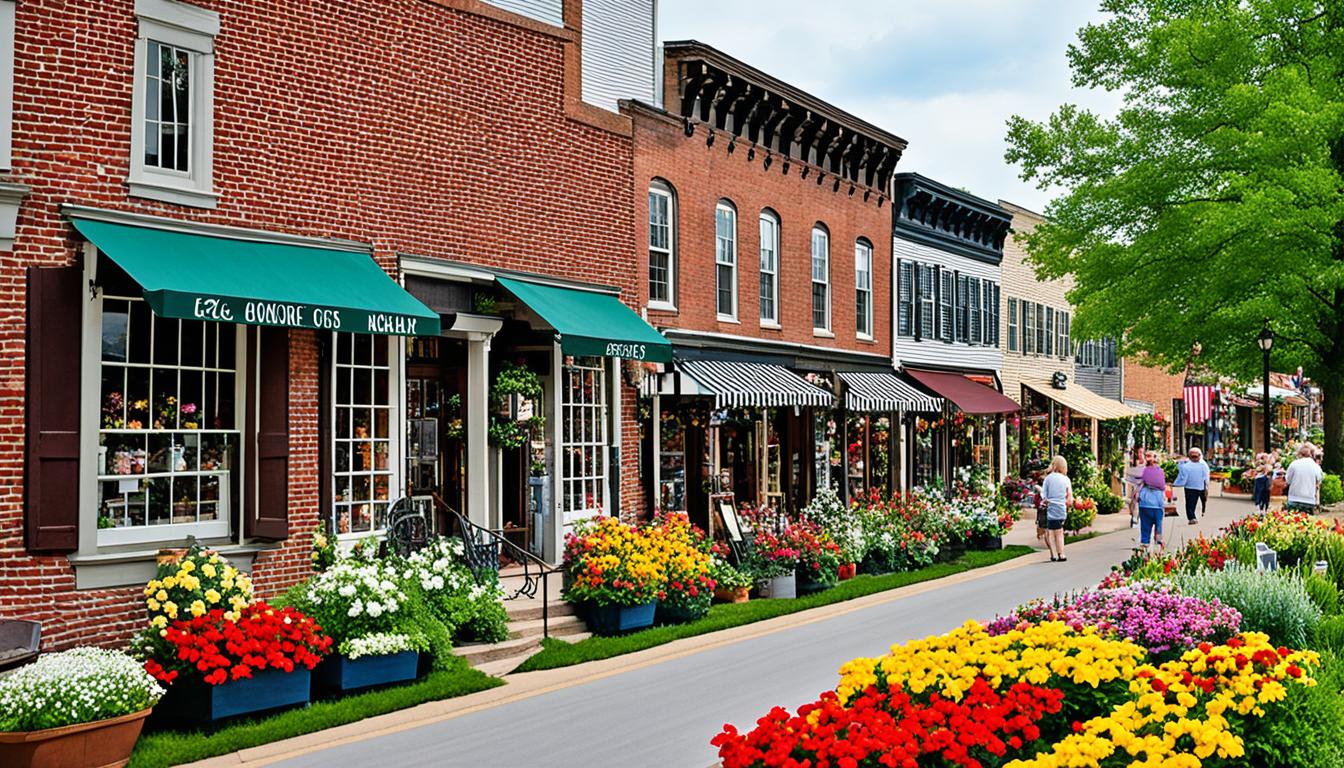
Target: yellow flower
[[208, 571], [197, 608], [161, 596], [186, 567], [159, 622], [170, 608], [153, 604], [169, 582], [211, 596]]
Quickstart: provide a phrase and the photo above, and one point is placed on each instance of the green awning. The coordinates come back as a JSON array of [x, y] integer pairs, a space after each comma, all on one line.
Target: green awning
[[207, 277], [591, 323]]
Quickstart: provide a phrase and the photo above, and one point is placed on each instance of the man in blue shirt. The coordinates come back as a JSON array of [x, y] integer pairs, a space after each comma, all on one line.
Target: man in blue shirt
[[1193, 476]]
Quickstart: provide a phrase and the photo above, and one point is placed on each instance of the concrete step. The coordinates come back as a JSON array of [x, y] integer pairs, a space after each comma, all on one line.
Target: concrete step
[[527, 610], [558, 626], [480, 653]]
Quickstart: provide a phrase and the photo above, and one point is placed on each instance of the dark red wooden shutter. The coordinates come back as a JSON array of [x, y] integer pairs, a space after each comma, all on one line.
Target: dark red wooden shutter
[[51, 485], [268, 511]]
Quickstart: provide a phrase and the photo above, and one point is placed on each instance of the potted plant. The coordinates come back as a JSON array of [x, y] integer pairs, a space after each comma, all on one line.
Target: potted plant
[[730, 584], [841, 525], [688, 583], [615, 577], [361, 606], [818, 557], [81, 708], [774, 562]]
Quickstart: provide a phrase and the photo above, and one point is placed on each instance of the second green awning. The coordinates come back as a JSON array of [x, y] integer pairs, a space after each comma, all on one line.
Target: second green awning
[[592, 323], [192, 276]]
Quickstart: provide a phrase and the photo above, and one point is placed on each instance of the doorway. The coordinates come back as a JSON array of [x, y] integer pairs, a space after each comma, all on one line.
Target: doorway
[[436, 377]]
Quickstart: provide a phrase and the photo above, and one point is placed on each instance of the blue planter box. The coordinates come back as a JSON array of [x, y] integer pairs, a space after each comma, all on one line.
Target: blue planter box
[[614, 619], [194, 702], [338, 674]]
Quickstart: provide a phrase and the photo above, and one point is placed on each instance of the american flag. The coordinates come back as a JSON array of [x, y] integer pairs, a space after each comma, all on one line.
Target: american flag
[[1198, 404]]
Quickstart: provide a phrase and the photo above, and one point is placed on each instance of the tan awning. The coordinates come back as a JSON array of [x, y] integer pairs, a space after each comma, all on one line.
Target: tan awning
[[1083, 400]]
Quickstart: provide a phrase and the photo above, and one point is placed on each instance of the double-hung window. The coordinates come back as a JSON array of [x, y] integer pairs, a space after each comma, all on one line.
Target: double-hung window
[[1028, 328], [863, 289], [725, 259], [974, 316], [905, 299], [963, 328], [1062, 348], [946, 283], [1049, 330], [821, 279], [662, 246], [769, 268], [1041, 332], [365, 457], [926, 309], [172, 123], [584, 435], [991, 335], [1012, 324]]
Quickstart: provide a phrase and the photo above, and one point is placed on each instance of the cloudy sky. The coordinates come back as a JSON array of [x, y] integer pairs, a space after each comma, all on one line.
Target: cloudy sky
[[945, 75]]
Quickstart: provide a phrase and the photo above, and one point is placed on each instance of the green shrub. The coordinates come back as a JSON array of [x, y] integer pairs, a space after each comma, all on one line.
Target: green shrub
[[1332, 491], [1169, 469], [1304, 729], [1329, 635], [1108, 503], [1273, 602], [1323, 593]]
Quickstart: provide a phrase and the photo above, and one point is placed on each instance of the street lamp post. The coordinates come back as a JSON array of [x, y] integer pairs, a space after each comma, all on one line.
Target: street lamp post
[[1266, 340]]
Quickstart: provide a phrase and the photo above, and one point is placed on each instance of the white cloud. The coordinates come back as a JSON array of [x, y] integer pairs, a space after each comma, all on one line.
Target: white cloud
[[945, 76]]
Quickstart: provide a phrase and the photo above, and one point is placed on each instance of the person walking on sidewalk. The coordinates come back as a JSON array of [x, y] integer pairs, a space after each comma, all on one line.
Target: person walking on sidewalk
[[1304, 481], [1133, 479], [1193, 476], [1151, 495], [1057, 490]]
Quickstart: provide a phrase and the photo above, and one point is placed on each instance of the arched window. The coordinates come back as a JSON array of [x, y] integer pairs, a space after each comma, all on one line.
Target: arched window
[[662, 245], [821, 279], [725, 259], [863, 288], [769, 268]]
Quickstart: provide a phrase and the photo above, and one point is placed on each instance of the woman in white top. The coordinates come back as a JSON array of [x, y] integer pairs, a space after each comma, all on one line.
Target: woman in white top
[[1057, 490]]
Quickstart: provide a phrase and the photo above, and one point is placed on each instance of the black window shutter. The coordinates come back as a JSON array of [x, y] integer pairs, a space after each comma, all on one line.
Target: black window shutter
[[904, 299], [267, 509], [51, 482]]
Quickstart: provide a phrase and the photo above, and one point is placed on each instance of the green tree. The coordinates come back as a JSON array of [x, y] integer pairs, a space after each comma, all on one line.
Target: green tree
[[1214, 198]]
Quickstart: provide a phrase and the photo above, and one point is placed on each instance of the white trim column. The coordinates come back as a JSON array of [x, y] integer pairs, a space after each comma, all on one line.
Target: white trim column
[[477, 415]]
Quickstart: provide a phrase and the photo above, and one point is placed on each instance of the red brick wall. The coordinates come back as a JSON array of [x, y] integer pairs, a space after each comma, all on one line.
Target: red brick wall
[[1153, 385], [702, 175], [439, 129]]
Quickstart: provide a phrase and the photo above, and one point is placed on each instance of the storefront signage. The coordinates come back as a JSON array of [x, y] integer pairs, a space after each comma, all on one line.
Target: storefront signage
[[224, 309], [627, 351]]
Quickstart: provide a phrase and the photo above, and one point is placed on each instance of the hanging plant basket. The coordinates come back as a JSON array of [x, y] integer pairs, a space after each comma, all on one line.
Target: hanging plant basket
[[512, 396]]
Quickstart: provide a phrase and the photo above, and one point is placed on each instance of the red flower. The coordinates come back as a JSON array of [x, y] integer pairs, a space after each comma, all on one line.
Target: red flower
[[219, 649]]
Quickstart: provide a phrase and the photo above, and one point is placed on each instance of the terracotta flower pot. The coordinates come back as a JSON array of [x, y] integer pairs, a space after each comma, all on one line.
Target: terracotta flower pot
[[732, 594], [102, 744]]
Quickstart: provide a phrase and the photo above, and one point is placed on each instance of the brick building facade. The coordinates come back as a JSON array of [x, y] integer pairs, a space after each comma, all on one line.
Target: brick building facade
[[1146, 386], [441, 129]]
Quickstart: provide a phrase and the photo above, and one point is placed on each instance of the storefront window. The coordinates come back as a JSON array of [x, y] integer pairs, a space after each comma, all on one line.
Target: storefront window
[[672, 461], [168, 430], [363, 418], [584, 435], [928, 441], [869, 438]]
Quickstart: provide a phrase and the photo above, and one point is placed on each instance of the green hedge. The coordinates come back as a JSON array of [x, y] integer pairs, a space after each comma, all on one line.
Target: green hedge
[[1332, 491]]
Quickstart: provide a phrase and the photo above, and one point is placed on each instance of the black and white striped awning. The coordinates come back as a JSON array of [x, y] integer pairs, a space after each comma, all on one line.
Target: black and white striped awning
[[756, 385], [883, 393]]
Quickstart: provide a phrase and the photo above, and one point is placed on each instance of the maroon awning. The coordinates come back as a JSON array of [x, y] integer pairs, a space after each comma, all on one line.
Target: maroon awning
[[969, 396]]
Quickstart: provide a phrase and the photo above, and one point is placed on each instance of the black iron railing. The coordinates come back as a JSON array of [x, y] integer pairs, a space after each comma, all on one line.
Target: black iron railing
[[483, 549]]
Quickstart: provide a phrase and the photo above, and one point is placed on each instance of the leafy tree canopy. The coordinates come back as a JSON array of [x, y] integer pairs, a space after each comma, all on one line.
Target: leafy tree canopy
[[1215, 197]]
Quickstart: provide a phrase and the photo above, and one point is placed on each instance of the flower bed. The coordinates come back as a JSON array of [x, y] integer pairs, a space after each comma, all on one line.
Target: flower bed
[[1189, 659], [82, 685]]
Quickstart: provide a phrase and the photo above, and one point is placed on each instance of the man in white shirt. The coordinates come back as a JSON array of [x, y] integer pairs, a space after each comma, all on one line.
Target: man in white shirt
[[1304, 481]]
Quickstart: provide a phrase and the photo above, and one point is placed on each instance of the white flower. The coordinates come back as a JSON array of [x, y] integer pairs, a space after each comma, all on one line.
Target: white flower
[[346, 590], [374, 609]]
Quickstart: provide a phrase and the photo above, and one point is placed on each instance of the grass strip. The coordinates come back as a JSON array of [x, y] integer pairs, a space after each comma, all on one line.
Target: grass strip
[[167, 748], [558, 653], [1074, 538]]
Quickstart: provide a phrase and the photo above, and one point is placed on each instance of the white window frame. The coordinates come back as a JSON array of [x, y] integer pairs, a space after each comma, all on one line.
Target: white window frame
[[863, 288], [725, 255], [585, 426], [663, 190], [192, 29], [91, 426], [769, 231], [395, 425], [1062, 341], [1013, 335], [6, 84], [820, 235]]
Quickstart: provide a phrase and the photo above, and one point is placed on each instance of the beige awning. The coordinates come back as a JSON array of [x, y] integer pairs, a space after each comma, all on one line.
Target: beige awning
[[1082, 400]]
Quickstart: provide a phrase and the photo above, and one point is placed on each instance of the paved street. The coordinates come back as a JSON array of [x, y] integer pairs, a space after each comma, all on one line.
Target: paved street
[[665, 714]]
